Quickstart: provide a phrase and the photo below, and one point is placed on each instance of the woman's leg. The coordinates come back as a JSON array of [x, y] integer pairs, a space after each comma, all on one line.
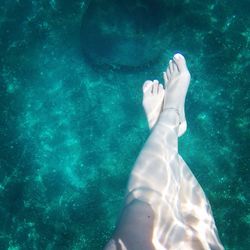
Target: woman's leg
[[152, 217], [154, 182], [193, 205]]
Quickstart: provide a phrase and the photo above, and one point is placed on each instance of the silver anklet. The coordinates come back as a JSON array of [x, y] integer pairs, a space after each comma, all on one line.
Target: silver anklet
[[176, 110]]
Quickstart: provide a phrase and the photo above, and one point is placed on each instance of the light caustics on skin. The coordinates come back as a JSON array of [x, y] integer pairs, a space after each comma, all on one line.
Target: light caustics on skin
[[183, 216], [160, 178]]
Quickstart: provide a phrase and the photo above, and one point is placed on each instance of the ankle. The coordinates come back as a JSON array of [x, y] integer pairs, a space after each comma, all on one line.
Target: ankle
[[170, 115], [172, 108]]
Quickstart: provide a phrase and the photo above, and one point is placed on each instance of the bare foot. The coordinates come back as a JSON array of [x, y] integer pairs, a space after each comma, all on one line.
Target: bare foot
[[177, 79], [153, 94]]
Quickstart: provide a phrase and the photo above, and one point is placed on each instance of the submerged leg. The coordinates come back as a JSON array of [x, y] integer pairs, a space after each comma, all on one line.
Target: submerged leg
[[154, 180], [151, 187], [193, 204], [157, 208]]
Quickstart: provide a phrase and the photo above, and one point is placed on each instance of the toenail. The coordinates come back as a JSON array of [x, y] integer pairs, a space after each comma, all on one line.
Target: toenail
[[177, 56]]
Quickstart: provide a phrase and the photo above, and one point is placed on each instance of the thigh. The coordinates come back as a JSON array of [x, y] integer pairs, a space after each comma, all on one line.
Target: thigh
[[135, 227]]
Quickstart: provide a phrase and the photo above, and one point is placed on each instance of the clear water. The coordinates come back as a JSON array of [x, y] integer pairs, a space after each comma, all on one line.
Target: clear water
[[72, 124]]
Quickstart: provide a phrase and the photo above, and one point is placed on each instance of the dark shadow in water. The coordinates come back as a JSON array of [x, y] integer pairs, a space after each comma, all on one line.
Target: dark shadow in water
[[125, 35]]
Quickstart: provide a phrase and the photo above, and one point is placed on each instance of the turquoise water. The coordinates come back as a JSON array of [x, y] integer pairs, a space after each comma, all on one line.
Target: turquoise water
[[72, 123]]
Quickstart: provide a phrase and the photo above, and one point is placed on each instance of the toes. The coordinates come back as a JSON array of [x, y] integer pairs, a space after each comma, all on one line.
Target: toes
[[158, 88], [175, 68], [180, 62], [161, 88], [171, 66], [168, 74], [155, 87], [165, 77], [148, 84]]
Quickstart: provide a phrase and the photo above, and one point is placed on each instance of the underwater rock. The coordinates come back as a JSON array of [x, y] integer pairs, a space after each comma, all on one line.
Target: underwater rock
[[123, 34]]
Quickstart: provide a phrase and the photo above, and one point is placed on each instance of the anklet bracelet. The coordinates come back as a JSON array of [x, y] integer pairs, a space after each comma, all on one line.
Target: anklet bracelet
[[177, 111]]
